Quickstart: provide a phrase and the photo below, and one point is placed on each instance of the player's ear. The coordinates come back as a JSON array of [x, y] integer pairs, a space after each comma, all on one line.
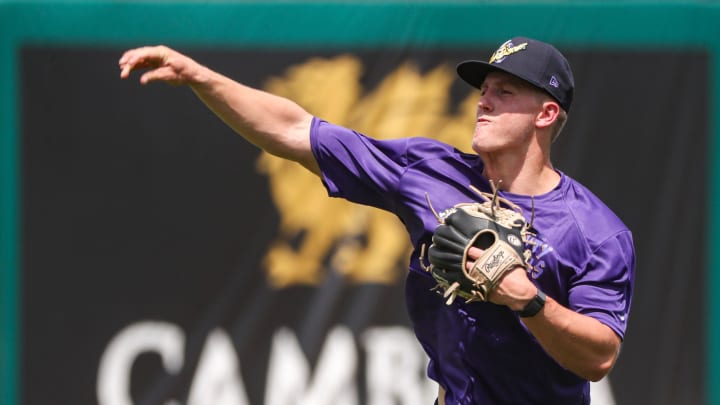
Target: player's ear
[[548, 114]]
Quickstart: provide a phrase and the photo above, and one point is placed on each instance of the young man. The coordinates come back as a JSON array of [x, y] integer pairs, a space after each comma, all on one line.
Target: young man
[[545, 332]]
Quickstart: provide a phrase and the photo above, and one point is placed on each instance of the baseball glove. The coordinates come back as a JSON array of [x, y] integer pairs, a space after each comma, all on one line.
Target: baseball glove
[[496, 226]]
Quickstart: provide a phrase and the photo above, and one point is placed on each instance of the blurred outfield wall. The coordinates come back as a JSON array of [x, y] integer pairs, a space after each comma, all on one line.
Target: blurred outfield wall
[[147, 255]]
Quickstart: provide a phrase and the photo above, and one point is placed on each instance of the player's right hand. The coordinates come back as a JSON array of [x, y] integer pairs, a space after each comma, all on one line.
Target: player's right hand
[[162, 64]]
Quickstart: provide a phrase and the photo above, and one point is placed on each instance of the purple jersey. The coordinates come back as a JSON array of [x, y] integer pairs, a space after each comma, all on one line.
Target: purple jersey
[[481, 353]]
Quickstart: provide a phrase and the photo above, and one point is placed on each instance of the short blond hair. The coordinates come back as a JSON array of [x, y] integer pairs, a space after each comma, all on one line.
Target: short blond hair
[[559, 124]]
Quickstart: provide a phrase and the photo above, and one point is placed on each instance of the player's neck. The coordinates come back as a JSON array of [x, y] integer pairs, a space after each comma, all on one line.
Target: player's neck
[[523, 169], [524, 177]]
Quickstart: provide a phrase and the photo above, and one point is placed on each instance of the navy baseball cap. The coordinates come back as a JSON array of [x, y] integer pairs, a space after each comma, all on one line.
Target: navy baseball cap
[[534, 61]]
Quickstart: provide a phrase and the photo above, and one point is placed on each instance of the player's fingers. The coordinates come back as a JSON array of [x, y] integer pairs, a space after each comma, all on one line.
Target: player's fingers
[[474, 253], [154, 75], [469, 265], [133, 63], [127, 56], [126, 68], [141, 58], [143, 53], [163, 74]]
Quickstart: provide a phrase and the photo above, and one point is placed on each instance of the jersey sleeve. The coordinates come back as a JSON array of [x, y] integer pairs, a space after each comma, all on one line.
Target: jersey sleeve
[[604, 289], [356, 167]]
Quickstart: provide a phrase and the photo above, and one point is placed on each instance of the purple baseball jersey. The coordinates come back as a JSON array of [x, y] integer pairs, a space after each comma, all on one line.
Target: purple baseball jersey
[[481, 353]]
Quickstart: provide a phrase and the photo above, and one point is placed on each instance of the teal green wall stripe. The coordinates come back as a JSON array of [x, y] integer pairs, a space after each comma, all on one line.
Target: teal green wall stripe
[[9, 232], [713, 276], [293, 24]]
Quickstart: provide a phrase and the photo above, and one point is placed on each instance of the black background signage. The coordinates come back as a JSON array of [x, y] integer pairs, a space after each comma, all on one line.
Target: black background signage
[[152, 235]]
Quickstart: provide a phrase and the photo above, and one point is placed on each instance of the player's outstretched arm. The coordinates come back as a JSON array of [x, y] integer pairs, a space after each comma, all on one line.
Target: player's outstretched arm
[[275, 124]]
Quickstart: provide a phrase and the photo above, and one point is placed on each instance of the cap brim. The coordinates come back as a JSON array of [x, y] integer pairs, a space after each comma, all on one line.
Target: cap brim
[[474, 71]]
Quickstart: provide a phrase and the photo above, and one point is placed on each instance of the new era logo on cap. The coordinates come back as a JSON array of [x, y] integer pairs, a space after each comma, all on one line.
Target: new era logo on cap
[[534, 61]]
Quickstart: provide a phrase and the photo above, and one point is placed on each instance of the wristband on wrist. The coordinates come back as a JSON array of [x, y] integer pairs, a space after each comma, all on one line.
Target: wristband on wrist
[[534, 306]]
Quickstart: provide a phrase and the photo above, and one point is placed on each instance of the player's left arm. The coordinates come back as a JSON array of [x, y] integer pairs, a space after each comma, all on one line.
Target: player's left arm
[[579, 343]]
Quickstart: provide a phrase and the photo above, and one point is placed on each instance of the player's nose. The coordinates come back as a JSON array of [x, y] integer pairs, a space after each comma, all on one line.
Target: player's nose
[[484, 103], [483, 106]]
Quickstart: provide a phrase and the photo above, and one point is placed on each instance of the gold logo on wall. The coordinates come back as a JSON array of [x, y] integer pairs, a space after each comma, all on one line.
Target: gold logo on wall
[[317, 233]]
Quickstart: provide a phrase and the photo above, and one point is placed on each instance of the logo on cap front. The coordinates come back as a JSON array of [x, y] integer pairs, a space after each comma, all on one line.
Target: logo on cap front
[[505, 50]]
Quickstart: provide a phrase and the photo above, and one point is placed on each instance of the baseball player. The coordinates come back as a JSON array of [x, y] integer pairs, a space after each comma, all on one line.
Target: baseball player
[[546, 328]]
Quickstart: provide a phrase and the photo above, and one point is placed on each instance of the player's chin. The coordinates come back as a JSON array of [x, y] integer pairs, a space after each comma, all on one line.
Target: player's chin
[[482, 145], [482, 140], [477, 148]]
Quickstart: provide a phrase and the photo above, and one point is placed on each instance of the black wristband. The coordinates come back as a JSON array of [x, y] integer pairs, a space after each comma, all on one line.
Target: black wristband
[[534, 306]]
